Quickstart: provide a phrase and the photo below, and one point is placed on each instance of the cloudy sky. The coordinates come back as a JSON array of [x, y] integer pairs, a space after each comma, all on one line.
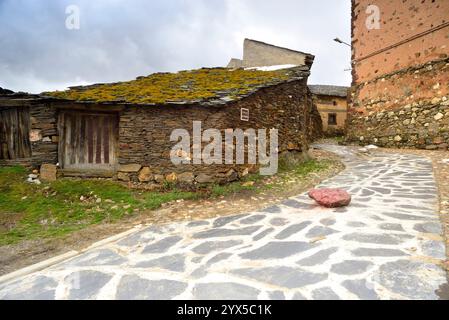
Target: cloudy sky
[[121, 39]]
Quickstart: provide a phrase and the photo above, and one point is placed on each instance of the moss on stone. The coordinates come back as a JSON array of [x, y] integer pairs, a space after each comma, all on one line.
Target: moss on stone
[[184, 86]]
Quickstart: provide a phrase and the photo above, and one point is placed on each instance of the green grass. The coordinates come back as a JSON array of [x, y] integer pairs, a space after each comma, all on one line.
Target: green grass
[[336, 139], [55, 209], [223, 190], [308, 167], [298, 171], [189, 85], [339, 138]]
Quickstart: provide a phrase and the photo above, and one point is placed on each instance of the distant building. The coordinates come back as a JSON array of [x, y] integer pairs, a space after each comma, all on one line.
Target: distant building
[[332, 104], [260, 54], [400, 54]]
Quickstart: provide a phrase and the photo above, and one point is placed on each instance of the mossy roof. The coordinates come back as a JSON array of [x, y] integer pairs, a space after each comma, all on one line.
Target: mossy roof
[[207, 85]]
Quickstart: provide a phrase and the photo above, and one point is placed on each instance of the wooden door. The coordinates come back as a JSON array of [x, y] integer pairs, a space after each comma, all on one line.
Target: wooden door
[[15, 133], [88, 140]]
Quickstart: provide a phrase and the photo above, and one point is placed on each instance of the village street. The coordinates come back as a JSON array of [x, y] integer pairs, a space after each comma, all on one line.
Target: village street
[[386, 245]]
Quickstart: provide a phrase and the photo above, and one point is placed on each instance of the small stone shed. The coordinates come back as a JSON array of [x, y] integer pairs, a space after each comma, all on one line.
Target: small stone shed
[[123, 129]]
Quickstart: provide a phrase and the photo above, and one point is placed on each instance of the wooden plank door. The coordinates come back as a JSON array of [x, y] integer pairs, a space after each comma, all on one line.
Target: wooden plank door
[[88, 140], [15, 133]]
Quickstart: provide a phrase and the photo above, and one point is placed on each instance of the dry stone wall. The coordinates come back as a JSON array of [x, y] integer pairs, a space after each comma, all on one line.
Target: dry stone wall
[[44, 128], [423, 125], [408, 108], [145, 132]]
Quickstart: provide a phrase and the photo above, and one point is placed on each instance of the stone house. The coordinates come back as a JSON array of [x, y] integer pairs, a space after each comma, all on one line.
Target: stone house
[[123, 129], [400, 59], [332, 104]]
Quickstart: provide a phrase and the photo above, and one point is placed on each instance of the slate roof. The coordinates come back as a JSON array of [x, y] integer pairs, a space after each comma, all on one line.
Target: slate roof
[[206, 86], [325, 90], [5, 91], [6, 94]]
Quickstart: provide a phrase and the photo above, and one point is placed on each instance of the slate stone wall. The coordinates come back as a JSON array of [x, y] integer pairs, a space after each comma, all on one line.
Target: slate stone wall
[[145, 131], [423, 125], [144, 137], [44, 122], [44, 146]]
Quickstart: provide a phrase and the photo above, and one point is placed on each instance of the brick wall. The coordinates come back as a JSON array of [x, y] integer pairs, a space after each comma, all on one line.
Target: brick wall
[[399, 20], [403, 65]]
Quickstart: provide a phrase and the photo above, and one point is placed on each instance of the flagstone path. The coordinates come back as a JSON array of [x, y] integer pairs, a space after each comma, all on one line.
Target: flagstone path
[[386, 245]]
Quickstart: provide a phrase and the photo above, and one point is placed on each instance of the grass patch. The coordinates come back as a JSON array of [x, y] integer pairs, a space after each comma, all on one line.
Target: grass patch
[[337, 139], [54, 209], [50, 210], [259, 183], [224, 190], [309, 167]]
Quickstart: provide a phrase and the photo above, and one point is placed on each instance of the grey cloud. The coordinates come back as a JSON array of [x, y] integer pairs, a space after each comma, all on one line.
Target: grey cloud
[[120, 40]]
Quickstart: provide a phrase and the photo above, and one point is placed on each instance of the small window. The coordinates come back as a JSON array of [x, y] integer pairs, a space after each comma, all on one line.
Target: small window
[[332, 119], [244, 114], [334, 102]]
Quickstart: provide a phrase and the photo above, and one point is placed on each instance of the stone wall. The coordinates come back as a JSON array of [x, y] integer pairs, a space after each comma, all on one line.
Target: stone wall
[[44, 128], [144, 137], [145, 132], [258, 54], [407, 108], [413, 84], [287, 107], [316, 130], [423, 124], [235, 63]]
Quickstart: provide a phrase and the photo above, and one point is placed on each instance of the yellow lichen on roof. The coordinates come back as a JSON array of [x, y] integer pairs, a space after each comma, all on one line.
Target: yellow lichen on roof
[[184, 86]]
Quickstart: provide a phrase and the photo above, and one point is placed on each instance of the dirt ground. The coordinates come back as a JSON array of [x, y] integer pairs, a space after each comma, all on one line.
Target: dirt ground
[[14, 257]]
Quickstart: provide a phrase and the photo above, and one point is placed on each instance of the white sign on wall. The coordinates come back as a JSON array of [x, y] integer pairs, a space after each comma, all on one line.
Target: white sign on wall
[[244, 114]]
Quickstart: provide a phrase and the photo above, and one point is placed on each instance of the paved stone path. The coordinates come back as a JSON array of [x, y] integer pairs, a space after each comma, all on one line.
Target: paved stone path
[[386, 245]]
